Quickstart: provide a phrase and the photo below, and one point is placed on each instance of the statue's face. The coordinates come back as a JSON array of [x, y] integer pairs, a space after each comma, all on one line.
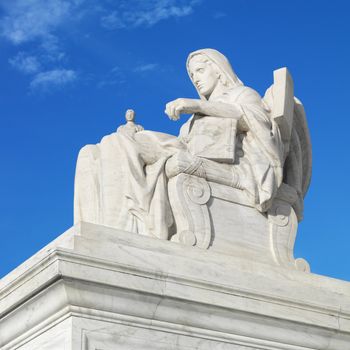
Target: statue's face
[[203, 75], [129, 115]]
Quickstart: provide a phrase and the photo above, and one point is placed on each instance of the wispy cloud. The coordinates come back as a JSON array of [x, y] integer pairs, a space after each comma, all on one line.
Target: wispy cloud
[[38, 22], [38, 29], [115, 76], [25, 63], [55, 78], [218, 15], [145, 67], [28, 20], [136, 13], [118, 75], [52, 48]]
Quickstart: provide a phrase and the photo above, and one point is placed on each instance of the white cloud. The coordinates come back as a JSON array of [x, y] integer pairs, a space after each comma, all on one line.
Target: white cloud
[[52, 48], [28, 20], [112, 21], [27, 64], [136, 13], [39, 22], [44, 24], [145, 67], [53, 78]]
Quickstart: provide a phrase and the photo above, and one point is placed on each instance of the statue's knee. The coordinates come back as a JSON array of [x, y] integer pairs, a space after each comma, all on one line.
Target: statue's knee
[[171, 167], [184, 162]]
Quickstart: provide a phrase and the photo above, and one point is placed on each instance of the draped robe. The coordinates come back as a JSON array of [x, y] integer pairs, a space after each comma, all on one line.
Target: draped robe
[[114, 186]]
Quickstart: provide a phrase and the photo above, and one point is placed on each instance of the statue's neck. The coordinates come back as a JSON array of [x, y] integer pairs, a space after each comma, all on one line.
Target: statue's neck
[[217, 93]]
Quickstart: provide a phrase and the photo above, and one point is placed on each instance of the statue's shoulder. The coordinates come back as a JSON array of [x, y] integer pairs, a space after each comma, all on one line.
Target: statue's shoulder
[[244, 94]]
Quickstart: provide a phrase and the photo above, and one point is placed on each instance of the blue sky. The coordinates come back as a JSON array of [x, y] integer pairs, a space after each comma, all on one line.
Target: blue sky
[[70, 68]]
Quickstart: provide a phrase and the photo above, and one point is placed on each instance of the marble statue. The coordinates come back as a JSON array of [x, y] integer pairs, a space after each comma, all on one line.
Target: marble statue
[[233, 180], [185, 242]]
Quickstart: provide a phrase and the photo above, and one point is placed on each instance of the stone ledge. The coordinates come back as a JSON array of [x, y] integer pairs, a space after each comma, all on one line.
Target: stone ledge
[[96, 271]]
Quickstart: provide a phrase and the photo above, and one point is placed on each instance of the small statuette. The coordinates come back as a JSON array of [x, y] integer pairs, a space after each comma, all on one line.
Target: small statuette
[[130, 125], [130, 116]]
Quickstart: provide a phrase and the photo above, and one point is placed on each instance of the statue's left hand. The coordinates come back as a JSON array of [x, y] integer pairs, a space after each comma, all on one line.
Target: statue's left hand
[[182, 106]]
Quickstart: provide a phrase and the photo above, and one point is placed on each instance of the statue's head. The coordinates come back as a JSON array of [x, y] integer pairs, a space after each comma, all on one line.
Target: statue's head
[[130, 115], [204, 75], [210, 71]]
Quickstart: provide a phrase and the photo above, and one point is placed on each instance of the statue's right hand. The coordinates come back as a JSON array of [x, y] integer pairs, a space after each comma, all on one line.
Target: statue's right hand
[[170, 111], [182, 106]]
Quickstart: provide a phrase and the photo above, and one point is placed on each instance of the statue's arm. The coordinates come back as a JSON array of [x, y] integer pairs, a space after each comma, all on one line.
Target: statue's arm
[[207, 108], [220, 109]]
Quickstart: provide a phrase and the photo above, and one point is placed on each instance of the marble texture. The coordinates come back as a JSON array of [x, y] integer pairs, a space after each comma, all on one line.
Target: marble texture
[[96, 287], [233, 181]]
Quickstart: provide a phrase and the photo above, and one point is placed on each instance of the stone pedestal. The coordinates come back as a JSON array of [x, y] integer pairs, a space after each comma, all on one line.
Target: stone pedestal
[[100, 288]]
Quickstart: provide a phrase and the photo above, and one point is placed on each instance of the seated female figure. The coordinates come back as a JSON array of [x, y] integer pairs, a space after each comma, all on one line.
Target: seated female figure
[[230, 139]]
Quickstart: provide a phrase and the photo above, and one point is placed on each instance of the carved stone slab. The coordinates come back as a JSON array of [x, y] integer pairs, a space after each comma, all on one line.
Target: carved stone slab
[[103, 289]]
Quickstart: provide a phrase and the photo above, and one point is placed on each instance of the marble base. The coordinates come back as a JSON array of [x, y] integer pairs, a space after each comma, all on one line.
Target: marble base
[[99, 288]]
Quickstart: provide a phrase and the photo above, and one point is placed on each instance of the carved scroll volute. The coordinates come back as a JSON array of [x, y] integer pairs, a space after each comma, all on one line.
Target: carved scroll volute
[[283, 228], [188, 197]]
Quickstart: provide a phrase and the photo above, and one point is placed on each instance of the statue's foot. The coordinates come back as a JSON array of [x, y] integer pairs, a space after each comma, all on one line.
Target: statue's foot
[[184, 162]]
